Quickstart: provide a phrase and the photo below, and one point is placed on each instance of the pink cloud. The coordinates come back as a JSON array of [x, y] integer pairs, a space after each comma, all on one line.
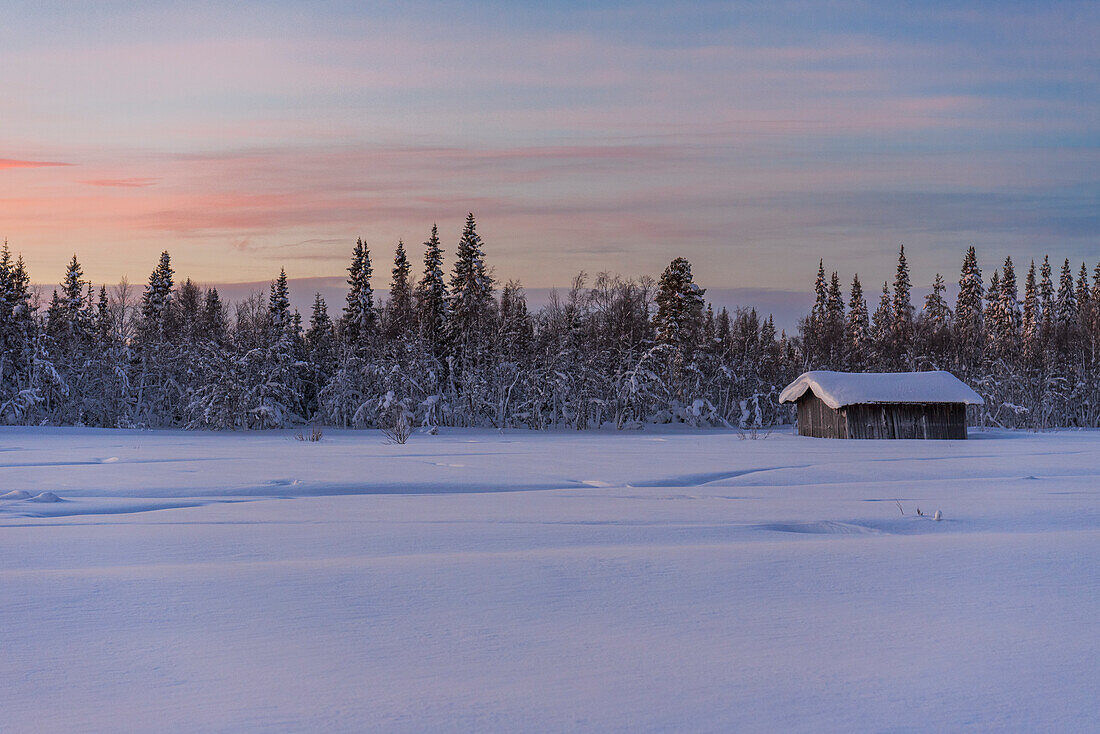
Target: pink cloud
[[6, 163], [126, 183]]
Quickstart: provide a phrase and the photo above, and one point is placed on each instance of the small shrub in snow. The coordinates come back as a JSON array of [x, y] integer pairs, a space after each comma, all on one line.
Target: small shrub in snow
[[753, 433], [399, 430], [314, 436]]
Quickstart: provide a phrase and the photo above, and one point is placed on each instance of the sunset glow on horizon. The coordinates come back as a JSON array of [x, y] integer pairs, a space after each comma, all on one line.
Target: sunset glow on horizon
[[750, 138]]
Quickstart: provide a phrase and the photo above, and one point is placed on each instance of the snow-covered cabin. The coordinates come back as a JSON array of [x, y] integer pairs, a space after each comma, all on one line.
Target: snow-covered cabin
[[880, 404]]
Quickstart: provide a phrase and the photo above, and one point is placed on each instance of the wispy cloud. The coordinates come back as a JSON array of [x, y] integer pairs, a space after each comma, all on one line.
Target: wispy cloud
[[6, 163], [122, 183]]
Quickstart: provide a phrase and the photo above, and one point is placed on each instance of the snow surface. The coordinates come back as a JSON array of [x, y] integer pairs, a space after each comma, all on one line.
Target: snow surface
[[837, 389], [598, 581]]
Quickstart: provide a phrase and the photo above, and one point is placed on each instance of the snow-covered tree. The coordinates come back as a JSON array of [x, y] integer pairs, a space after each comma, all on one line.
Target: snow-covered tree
[[679, 318], [1004, 318], [969, 322], [156, 304], [471, 298], [359, 316], [1031, 316], [1065, 304], [1046, 301], [881, 324], [431, 294], [400, 313], [19, 336], [816, 351], [901, 322], [933, 328], [832, 332], [188, 305], [858, 328]]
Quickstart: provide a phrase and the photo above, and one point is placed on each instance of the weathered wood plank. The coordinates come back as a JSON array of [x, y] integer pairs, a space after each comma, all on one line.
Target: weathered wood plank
[[818, 420], [884, 421]]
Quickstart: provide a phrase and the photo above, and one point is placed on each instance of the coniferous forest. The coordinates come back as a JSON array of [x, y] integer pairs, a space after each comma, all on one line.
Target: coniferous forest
[[461, 349]]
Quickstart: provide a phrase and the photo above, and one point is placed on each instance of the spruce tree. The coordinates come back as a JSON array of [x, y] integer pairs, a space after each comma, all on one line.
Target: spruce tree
[[471, 299], [1083, 293], [679, 316], [992, 303], [320, 338], [213, 321], [188, 307], [813, 339], [722, 330], [72, 292], [1094, 294], [834, 324], [72, 318], [1065, 304], [320, 346], [358, 320], [431, 294], [274, 391], [710, 328], [821, 294], [936, 310], [1092, 324], [858, 328], [881, 323], [1009, 319], [932, 334], [156, 303], [516, 329], [104, 324], [770, 356], [400, 314], [18, 332], [1096, 284], [1046, 300], [1065, 313], [5, 279], [278, 305], [968, 322], [19, 290], [57, 319], [901, 326], [1030, 322], [1087, 319]]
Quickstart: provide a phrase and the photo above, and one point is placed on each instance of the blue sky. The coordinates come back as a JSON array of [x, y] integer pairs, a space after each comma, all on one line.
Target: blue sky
[[752, 138]]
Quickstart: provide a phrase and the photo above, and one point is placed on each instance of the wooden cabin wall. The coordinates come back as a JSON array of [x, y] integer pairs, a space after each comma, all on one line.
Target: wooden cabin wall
[[817, 419], [929, 420], [893, 420]]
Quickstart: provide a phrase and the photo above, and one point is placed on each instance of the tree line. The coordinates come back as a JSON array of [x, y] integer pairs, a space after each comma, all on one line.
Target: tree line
[[1035, 361], [461, 349], [457, 349]]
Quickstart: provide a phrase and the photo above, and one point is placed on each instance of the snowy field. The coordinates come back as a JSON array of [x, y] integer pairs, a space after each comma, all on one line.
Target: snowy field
[[474, 581]]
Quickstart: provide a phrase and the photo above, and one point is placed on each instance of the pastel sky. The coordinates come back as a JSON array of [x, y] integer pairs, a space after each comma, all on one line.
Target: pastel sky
[[752, 138]]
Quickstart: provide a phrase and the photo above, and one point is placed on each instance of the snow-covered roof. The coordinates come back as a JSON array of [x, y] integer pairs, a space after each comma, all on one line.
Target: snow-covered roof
[[837, 389]]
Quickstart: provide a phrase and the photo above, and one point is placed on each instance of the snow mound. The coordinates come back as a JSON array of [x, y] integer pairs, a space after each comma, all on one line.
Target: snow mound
[[46, 497], [16, 494], [837, 389]]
